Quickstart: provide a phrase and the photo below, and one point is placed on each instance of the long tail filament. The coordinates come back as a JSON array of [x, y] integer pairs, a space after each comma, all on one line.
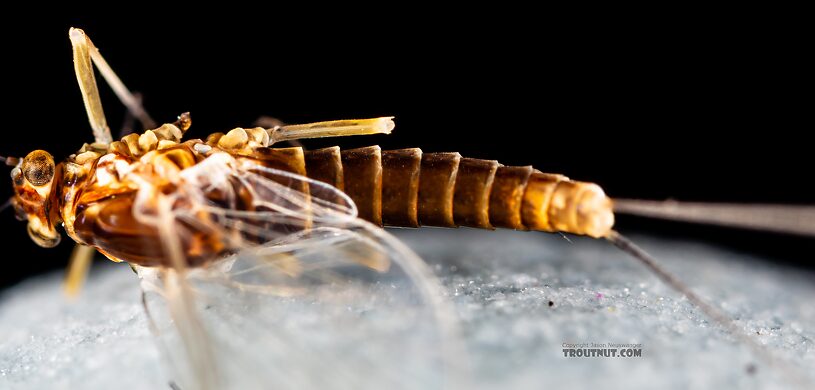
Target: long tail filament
[[718, 316]]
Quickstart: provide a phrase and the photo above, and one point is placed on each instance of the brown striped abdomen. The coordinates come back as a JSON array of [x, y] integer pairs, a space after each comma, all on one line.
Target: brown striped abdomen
[[397, 188], [409, 188]]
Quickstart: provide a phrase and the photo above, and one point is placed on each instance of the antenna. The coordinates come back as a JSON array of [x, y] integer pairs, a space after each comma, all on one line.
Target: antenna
[[10, 161], [6, 204]]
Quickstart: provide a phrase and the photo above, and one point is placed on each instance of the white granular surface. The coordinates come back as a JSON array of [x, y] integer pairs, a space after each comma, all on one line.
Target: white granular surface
[[501, 284]]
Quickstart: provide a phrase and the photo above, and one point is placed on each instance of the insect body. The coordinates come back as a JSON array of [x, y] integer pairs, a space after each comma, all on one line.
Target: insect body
[[235, 210], [95, 190], [171, 207]]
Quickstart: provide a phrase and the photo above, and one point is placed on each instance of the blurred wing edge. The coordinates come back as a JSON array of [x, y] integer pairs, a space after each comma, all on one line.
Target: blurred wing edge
[[312, 216]]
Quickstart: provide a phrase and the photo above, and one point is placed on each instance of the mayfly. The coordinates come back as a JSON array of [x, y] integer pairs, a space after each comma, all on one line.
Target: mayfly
[[234, 233]]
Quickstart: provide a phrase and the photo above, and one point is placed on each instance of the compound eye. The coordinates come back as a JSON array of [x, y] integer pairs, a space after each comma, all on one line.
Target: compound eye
[[38, 167]]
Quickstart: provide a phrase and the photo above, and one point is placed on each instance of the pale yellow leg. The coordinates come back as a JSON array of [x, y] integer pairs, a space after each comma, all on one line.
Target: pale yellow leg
[[339, 128], [86, 54], [87, 84], [78, 266]]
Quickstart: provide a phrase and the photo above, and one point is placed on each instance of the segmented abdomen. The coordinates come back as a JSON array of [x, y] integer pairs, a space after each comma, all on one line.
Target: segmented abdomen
[[399, 188], [409, 188]]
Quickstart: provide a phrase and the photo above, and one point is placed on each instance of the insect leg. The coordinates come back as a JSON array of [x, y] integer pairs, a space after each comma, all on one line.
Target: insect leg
[[86, 54], [78, 267], [151, 322], [83, 67], [339, 128], [129, 122]]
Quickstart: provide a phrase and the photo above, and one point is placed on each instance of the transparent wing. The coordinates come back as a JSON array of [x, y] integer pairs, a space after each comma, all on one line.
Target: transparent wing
[[306, 295]]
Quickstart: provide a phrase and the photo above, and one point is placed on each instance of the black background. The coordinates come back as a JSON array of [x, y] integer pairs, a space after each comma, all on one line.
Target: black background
[[687, 109]]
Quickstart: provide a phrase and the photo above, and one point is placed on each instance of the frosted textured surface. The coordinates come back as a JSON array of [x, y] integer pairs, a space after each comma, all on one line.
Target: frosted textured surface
[[501, 284]]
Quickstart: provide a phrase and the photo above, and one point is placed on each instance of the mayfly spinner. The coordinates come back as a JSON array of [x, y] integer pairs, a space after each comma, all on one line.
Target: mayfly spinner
[[236, 211]]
